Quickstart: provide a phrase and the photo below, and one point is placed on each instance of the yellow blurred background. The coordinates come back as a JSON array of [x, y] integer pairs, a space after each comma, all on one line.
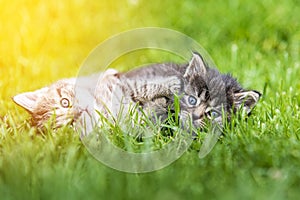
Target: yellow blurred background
[[42, 41]]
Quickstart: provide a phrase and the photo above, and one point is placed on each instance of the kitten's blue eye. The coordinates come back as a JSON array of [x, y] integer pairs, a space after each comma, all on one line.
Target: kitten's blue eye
[[192, 100], [213, 114], [65, 103]]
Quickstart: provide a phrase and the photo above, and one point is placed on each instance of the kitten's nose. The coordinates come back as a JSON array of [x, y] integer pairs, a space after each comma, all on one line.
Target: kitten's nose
[[199, 112], [198, 116]]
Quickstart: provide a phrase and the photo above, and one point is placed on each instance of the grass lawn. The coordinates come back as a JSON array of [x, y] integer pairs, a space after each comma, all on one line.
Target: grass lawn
[[256, 41]]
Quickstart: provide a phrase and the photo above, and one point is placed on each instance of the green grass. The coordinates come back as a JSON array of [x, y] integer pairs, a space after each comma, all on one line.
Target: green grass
[[256, 41]]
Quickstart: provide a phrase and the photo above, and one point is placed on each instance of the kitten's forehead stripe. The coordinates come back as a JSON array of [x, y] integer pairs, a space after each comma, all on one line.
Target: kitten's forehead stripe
[[204, 95], [59, 92]]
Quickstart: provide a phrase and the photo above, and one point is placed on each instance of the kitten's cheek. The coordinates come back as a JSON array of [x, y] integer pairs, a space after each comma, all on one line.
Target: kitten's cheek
[[87, 122]]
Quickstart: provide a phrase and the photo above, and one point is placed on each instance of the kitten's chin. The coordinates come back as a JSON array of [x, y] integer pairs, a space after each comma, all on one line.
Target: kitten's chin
[[202, 125], [86, 124], [199, 124]]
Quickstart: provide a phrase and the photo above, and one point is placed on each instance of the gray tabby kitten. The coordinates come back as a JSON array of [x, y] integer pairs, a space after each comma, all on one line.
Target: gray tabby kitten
[[206, 94]]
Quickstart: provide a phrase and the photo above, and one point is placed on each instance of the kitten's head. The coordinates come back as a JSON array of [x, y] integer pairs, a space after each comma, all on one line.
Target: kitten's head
[[55, 101], [67, 101], [207, 94]]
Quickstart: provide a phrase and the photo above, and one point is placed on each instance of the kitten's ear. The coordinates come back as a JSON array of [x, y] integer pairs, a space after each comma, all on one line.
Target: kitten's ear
[[110, 72], [28, 100], [246, 100], [196, 66]]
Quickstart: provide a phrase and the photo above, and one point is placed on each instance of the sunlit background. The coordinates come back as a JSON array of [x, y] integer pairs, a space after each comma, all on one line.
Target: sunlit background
[[42, 41]]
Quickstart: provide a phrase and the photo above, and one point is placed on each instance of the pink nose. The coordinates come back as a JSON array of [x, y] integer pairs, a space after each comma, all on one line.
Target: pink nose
[[198, 115]]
